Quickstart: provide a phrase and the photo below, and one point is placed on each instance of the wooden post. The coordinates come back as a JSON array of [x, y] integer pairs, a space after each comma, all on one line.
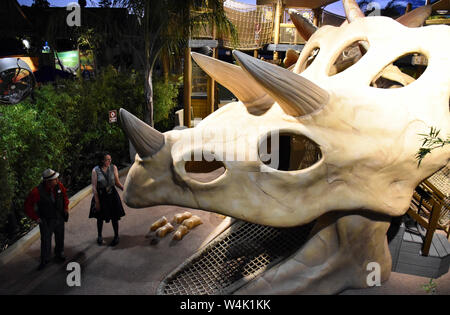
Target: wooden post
[[187, 82], [296, 41], [317, 20], [408, 7], [276, 36], [211, 84], [210, 98], [432, 225]]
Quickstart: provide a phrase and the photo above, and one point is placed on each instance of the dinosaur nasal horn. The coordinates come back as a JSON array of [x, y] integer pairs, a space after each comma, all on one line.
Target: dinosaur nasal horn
[[236, 80], [352, 10], [146, 140], [295, 94], [303, 26], [416, 17]]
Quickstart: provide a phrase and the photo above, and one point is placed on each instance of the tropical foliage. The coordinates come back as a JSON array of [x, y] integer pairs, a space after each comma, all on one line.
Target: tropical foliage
[[64, 126], [431, 141], [166, 29]]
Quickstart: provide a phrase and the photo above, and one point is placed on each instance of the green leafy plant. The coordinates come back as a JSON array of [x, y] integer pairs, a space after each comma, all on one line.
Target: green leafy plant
[[430, 287], [33, 140], [7, 191], [430, 142], [63, 128], [165, 100]]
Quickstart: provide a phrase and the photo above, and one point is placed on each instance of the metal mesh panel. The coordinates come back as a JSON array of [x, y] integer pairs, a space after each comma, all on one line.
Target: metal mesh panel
[[233, 259]]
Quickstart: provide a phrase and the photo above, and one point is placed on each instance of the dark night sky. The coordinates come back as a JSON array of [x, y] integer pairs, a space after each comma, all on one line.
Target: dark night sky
[[334, 7], [53, 3]]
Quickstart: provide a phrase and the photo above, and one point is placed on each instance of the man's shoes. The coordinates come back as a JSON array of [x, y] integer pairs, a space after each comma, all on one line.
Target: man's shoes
[[100, 241], [115, 241], [60, 258]]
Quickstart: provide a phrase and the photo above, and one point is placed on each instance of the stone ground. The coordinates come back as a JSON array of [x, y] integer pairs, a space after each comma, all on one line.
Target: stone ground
[[135, 266]]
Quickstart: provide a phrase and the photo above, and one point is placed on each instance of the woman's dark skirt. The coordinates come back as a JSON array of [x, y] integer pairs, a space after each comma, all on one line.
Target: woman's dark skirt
[[110, 206]]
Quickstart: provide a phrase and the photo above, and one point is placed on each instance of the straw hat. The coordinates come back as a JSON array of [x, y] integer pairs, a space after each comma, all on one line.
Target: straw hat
[[49, 174]]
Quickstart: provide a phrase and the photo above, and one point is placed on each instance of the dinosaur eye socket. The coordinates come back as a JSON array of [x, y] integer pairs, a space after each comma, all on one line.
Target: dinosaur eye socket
[[288, 151], [309, 60], [403, 71], [204, 171], [348, 56]]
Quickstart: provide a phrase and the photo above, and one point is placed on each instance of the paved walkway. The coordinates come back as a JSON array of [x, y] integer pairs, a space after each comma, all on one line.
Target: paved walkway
[[135, 266], [132, 267]]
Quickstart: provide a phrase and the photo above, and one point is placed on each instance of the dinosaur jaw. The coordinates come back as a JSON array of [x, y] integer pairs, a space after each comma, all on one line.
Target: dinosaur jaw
[[326, 256]]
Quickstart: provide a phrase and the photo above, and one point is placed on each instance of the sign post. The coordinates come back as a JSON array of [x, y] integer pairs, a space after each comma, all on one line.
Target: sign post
[[112, 116]]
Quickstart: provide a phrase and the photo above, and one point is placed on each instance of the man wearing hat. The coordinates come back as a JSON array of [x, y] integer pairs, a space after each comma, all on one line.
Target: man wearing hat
[[48, 205]]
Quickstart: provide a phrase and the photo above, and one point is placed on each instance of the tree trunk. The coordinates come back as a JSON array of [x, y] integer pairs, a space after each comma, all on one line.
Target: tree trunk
[[166, 66], [148, 111]]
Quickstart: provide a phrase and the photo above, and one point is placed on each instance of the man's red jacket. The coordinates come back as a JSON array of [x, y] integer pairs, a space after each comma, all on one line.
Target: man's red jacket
[[33, 199]]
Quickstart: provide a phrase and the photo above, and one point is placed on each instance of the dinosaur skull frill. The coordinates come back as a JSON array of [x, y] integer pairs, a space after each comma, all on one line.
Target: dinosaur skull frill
[[359, 141]]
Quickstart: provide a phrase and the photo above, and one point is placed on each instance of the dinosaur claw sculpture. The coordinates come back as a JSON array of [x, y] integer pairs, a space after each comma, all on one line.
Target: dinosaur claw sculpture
[[342, 149]]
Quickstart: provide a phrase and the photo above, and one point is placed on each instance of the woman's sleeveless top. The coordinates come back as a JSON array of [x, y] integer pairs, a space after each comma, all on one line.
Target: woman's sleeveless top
[[105, 180]]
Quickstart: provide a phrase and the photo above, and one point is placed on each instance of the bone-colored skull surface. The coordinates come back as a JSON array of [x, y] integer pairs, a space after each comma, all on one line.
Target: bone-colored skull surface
[[319, 142]]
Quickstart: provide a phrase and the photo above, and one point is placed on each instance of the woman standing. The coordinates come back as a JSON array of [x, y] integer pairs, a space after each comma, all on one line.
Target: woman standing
[[106, 204]]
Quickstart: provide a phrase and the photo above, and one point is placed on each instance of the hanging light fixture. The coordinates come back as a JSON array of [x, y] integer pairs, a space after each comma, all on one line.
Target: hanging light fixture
[[16, 80]]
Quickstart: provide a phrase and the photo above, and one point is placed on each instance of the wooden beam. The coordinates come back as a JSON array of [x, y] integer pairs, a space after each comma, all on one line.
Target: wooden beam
[[276, 35], [198, 43], [431, 228], [310, 4], [284, 47], [187, 82], [422, 221]]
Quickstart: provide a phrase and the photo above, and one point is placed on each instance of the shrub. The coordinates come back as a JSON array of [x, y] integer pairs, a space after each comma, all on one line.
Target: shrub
[[7, 190], [32, 141], [62, 129], [165, 100], [87, 114]]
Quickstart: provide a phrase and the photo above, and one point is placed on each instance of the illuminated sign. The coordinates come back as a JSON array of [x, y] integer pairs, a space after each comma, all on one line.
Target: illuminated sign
[[70, 61]]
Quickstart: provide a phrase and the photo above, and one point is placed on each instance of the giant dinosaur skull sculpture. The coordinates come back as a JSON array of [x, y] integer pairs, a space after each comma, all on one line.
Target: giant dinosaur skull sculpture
[[352, 153]]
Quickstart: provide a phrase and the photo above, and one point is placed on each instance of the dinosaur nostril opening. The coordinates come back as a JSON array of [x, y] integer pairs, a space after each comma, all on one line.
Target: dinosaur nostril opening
[[403, 71], [289, 152], [204, 171], [348, 56]]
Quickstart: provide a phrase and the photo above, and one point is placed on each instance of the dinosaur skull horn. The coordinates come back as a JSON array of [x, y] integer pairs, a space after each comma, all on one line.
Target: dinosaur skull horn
[[303, 26], [295, 94], [236, 80], [146, 140], [352, 10], [416, 17]]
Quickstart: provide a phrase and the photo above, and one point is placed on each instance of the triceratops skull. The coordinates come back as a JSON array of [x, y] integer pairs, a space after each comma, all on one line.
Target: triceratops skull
[[359, 143]]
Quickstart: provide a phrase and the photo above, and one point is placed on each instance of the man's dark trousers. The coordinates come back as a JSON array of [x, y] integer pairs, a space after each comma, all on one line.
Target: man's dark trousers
[[48, 227]]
